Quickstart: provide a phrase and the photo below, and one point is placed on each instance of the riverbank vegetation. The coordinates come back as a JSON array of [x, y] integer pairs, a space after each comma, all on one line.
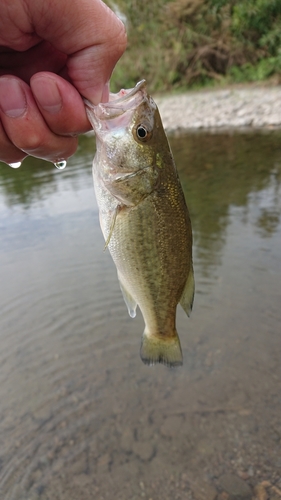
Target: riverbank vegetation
[[181, 44]]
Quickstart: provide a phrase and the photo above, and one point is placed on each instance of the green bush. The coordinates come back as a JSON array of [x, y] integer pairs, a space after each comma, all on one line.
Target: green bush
[[180, 44]]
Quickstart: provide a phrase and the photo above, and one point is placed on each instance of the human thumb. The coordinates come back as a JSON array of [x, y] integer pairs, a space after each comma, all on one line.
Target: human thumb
[[89, 33]]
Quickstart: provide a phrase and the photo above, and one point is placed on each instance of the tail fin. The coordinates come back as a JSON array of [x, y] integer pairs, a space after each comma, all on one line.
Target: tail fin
[[160, 349]]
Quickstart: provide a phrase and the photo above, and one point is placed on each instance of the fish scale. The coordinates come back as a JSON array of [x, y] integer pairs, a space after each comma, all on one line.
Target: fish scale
[[152, 269]]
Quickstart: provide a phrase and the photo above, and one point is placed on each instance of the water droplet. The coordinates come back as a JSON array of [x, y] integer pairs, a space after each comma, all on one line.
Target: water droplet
[[17, 164], [60, 165]]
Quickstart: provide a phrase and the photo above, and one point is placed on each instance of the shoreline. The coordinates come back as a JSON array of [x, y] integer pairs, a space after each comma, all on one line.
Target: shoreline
[[231, 109]]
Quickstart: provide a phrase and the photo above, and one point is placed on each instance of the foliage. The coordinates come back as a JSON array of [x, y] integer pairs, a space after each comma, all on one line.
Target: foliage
[[186, 43]]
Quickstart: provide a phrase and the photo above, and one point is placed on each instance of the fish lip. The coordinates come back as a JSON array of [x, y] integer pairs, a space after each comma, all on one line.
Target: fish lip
[[116, 105], [141, 85]]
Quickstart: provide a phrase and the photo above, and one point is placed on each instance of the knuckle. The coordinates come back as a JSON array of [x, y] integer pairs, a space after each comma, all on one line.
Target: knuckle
[[120, 38], [32, 142], [116, 36]]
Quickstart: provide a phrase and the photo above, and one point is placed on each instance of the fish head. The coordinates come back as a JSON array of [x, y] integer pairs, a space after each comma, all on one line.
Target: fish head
[[130, 143]]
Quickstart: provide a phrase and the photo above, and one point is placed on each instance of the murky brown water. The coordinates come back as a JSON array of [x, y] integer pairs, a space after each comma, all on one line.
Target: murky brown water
[[81, 417]]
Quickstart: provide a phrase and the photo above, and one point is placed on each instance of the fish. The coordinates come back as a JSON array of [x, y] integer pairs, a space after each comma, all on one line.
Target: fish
[[143, 217]]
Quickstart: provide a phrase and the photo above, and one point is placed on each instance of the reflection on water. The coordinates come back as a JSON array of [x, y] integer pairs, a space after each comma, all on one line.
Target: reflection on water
[[80, 416]]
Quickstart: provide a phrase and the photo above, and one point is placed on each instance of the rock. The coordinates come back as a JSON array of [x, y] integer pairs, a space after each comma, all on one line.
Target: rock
[[127, 441], [248, 107], [244, 475], [171, 426], [103, 463], [204, 491], [223, 496], [260, 492], [144, 450], [236, 488], [205, 447], [276, 490]]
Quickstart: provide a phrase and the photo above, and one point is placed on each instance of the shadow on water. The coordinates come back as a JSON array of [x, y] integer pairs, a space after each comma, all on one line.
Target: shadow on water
[[221, 172], [80, 416]]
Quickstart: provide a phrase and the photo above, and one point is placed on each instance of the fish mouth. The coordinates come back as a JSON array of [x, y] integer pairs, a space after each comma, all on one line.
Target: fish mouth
[[124, 95], [124, 100]]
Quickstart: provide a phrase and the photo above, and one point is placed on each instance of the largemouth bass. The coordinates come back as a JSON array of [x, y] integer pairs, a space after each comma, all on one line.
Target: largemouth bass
[[143, 217]]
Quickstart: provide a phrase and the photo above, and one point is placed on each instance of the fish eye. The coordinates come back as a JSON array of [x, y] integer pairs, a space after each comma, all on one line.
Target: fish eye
[[142, 133]]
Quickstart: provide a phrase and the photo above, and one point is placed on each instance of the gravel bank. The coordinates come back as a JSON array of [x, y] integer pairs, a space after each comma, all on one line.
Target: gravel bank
[[222, 109]]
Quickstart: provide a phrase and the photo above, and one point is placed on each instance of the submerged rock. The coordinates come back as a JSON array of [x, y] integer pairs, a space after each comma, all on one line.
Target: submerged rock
[[236, 488]]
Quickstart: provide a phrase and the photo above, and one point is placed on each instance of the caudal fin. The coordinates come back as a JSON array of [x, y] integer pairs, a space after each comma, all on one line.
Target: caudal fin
[[160, 349]]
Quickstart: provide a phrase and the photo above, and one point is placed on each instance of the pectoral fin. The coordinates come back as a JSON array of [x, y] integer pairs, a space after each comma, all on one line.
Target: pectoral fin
[[187, 297], [129, 300], [117, 209]]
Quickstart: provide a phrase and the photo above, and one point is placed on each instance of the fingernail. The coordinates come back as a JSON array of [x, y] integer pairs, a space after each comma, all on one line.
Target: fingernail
[[47, 94], [12, 97]]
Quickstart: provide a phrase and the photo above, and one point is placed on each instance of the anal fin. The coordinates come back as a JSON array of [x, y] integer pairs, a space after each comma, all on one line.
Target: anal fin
[[129, 300], [187, 297]]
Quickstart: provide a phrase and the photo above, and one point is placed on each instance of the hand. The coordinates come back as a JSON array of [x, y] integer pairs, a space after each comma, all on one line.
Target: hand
[[52, 52]]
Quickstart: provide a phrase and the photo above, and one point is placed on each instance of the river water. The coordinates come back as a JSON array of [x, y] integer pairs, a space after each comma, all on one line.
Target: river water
[[81, 417]]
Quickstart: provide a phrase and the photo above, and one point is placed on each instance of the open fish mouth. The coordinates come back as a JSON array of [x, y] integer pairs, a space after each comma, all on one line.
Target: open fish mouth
[[118, 104]]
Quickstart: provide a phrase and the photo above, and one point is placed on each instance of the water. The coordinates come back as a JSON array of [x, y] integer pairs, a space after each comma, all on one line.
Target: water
[[80, 416], [17, 164], [60, 165]]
